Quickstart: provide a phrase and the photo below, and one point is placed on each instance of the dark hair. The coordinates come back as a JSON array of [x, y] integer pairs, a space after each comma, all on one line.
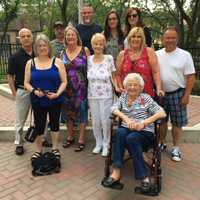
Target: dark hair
[[139, 23], [171, 28], [107, 31]]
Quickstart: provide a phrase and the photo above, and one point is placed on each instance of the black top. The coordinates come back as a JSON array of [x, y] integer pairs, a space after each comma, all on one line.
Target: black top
[[86, 32], [16, 66], [148, 37]]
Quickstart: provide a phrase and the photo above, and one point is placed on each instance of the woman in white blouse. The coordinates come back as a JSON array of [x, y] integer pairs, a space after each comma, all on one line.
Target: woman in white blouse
[[100, 73]]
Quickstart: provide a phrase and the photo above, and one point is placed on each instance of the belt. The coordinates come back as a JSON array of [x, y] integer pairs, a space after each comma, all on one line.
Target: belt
[[178, 90]]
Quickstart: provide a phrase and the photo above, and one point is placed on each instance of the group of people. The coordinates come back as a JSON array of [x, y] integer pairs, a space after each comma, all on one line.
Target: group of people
[[87, 66]]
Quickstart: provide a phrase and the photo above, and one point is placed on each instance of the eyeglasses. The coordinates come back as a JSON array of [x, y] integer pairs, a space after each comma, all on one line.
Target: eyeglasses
[[133, 15], [112, 19]]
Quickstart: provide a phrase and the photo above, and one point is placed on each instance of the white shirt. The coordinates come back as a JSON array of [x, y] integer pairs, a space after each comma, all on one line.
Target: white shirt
[[174, 66], [99, 78]]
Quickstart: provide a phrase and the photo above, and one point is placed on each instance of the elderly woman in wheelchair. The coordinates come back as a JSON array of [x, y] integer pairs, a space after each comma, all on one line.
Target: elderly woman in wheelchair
[[137, 111]]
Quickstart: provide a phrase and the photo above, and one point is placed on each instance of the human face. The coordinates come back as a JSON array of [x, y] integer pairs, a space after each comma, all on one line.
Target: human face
[[59, 32], [170, 40], [112, 21], [136, 41], [71, 37], [133, 88], [26, 38], [98, 46], [87, 14], [42, 48], [133, 18]]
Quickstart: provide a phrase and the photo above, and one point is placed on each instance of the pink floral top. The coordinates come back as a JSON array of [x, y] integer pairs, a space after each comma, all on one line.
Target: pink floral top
[[99, 78]]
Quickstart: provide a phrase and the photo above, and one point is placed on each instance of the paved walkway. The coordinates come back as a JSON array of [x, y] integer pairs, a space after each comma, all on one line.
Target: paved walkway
[[82, 172], [81, 175]]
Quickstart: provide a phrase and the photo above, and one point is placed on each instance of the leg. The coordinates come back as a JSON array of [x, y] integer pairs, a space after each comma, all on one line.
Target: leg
[[137, 141], [54, 116], [105, 105], [176, 134], [40, 117], [22, 109], [96, 124]]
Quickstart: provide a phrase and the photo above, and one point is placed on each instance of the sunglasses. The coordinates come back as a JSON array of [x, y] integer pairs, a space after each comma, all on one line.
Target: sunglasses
[[133, 15]]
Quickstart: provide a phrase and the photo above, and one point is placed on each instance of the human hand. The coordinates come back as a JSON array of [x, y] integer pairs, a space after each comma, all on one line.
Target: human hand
[[52, 95], [185, 100], [139, 126], [39, 93], [130, 123], [160, 93]]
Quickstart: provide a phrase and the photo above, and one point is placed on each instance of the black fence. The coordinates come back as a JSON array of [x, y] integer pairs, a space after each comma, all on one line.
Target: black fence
[[7, 49]]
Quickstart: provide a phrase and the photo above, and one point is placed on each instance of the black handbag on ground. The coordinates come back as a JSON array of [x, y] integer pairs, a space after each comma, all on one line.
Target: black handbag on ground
[[31, 134]]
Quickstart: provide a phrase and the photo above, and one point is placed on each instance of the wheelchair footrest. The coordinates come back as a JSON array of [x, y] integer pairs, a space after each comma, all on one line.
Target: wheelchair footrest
[[152, 191]]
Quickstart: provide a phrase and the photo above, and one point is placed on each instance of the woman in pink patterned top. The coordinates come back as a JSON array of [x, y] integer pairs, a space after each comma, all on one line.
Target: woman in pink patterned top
[[140, 59]]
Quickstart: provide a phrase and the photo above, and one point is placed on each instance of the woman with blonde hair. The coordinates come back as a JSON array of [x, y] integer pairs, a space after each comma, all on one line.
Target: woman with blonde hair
[[140, 59], [74, 109], [45, 79], [100, 73]]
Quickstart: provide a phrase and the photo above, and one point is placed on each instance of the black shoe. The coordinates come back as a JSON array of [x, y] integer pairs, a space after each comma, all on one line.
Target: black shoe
[[19, 150], [109, 182], [46, 143]]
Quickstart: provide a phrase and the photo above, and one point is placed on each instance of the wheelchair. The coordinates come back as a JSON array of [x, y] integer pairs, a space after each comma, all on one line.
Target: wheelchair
[[154, 167]]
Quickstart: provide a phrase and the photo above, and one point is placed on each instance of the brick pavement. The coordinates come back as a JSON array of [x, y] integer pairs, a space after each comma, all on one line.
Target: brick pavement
[[82, 172], [7, 114]]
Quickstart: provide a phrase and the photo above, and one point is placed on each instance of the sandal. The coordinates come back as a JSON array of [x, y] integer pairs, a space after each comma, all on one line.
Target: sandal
[[68, 143], [80, 147], [56, 152], [36, 155]]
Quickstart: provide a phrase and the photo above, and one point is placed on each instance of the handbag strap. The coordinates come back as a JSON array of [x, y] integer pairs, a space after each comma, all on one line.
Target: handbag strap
[[31, 117]]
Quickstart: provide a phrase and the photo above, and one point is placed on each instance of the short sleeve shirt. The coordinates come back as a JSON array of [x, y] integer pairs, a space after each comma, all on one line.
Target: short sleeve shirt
[[16, 65], [142, 108], [174, 66], [99, 78]]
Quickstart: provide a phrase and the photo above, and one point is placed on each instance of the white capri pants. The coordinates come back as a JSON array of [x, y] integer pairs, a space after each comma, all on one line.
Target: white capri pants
[[100, 113]]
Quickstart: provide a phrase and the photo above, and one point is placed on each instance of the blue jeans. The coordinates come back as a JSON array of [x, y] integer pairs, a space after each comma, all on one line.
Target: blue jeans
[[136, 142]]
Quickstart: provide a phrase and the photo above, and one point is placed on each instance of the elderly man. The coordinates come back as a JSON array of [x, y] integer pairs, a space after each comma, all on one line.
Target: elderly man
[[16, 72], [177, 76], [87, 28]]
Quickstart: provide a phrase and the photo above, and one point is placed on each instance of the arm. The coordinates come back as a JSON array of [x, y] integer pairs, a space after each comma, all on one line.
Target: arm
[[119, 63], [11, 83], [190, 80], [153, 61], [63, 78]]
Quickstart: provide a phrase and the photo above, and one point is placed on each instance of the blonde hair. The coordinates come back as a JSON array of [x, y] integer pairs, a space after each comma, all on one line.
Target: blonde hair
[[98, 36], [70, 27], [44, 38], [134, 76], [137, 31]]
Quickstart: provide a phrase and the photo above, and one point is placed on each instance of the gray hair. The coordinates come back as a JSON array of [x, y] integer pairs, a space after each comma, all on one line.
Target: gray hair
[[98, 36], [44, 38], [134, 76]]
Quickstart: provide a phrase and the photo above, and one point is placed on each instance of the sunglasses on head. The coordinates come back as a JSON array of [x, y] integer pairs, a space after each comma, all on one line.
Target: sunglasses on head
[[133, 15]]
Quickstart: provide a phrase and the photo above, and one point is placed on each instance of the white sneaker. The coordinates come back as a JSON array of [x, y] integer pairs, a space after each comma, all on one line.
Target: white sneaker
[[104, 152], [96, 150], [176, 154]]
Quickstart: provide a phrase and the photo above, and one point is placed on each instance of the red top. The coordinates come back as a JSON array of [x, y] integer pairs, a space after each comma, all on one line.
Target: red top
[[140, 66]]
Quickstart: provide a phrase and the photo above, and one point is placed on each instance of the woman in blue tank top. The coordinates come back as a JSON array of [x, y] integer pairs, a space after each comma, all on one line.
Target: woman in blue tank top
[[45, 79]]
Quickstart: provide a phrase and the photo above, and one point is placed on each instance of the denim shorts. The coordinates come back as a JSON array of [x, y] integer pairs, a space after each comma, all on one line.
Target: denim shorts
[[176, 112]]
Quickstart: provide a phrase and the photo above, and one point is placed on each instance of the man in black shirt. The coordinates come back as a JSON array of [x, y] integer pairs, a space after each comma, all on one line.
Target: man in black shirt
[[87, 28], [16, 72]]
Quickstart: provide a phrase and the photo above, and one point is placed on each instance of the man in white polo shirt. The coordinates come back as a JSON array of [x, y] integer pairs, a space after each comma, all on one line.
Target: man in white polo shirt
[[177, 77]]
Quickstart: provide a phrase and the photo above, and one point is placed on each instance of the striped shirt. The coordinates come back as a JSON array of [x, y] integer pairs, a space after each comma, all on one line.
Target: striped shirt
[[142, 108]]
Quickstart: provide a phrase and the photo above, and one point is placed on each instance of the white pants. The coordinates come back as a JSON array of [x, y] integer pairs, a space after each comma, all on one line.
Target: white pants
[[100, 113], [22, 109]]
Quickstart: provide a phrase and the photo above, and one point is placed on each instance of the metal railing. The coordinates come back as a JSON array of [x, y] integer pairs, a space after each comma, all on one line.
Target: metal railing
[[7, 49]]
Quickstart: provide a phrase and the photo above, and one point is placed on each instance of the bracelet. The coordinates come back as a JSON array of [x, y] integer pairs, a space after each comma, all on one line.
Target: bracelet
[[33, 90]]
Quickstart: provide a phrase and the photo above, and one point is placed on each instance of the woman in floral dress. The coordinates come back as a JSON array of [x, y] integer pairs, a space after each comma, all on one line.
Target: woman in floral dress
[[75, 106]]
